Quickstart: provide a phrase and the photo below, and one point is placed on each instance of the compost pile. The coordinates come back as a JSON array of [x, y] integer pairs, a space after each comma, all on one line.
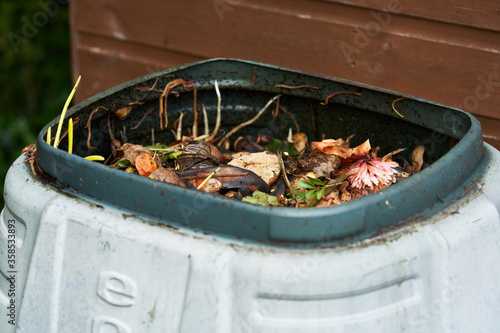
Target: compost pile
[[286, 172], [322, 174], [293, 171]]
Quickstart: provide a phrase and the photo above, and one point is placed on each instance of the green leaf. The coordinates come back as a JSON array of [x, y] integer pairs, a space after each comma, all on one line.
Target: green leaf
[[316, 181], [305, 184], [157, 147], [310, 194], [122, 163], [160, 149], [274, 145], [262, 199], [300, 196], [320, 193], [289, 148], [174, 155], [277, 144]]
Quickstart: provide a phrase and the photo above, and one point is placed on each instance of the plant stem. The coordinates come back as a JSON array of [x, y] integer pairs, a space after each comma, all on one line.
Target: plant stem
[[285, 177], [65, 108], [95, 158], [208, 178], [179, 127], [49, 135], [205, 119], [217, 122], [70, 136], [248, 122]]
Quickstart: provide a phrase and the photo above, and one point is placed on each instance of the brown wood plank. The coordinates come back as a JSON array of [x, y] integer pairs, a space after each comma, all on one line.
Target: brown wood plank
[[448, 63], [105, 62], [441, 62], [491, 130], [473, 13]]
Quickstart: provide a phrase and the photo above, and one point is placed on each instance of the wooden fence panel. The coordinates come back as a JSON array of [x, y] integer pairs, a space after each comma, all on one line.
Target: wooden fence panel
[[446, 52]]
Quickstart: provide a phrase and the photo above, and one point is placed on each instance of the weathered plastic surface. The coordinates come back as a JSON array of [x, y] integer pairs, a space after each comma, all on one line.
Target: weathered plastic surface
[[90, 268], [94, 264]]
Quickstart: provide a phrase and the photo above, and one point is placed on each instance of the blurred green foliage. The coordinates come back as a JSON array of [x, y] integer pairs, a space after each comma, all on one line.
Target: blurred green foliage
[[35, 72]]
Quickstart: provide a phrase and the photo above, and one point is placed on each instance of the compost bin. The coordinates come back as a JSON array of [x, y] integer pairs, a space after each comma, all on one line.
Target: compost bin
[[101, 249]]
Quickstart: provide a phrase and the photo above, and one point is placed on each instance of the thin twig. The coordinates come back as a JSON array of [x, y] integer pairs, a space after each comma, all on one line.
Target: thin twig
[[107, 159], [386, 156], [76, 121], [285, 177], [313, 121], [208, 178], [65, 108], [153, 87], [148, 88], [124, 134], [296, 87], [205, 119], [89, 126], [394, 109], [201, 174], [291, 116], [163, 99], [163, 106], [219, 101], [179, 127], [111, 128], [143, 117], [275, 112], [249, 122], [195, 111], [201, 137], [339, 93]]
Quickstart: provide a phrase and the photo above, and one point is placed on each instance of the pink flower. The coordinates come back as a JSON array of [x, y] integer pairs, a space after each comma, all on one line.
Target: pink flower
[[369, 172]]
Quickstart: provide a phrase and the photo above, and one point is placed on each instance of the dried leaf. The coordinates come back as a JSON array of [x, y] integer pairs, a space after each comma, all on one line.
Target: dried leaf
[[299, 141], [131, 151], [266, 165], [199, 154], [123, 112], [417, 158], [232, 178], [389, 155], [167, 176], [333, 147]]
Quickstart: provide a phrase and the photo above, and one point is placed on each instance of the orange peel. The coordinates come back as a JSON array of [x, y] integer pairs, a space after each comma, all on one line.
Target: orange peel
[[145, 165]]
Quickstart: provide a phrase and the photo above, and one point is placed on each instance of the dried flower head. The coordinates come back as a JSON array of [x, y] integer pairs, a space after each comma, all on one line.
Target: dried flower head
[[370, 172]]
